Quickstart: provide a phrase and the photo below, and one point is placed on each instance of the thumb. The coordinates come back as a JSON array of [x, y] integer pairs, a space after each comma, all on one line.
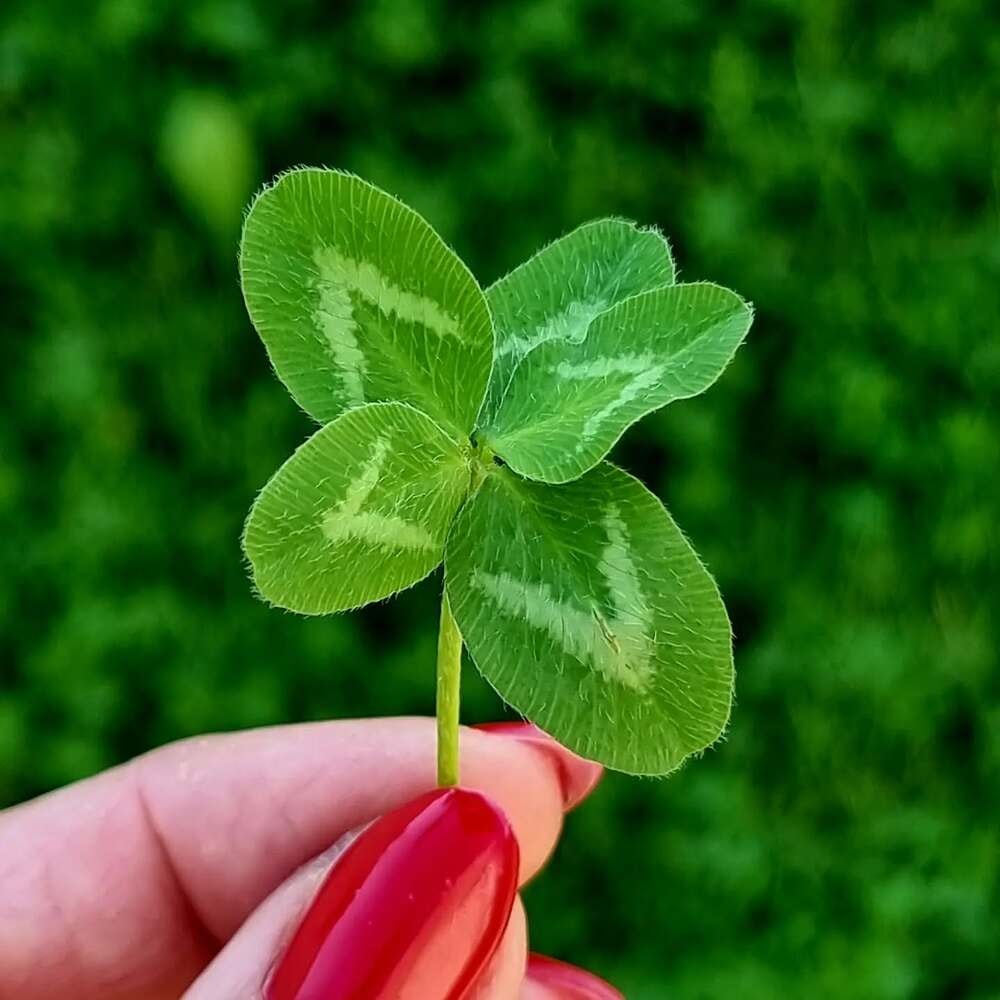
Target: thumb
[[414, 906]]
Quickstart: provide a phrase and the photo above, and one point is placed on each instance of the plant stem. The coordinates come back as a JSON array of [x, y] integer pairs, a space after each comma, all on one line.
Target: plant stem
[[449, 678]]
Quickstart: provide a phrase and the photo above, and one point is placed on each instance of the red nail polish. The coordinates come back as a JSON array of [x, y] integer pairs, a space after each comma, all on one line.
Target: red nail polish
[[413, 909], [568, 982], [577, 775]]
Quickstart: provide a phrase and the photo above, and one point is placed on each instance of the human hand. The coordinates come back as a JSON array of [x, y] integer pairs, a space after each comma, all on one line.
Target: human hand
[[208, 866]]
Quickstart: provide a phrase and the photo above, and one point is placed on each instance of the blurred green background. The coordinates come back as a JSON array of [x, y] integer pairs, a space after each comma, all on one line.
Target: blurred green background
[[836, 162]]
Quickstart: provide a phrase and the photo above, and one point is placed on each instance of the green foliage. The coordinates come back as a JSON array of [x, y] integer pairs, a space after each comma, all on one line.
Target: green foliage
[[558, 293], [833, 160], [358, 299], [359, 512], [620, 640], [583, 606], [208, 154], [569, 400]]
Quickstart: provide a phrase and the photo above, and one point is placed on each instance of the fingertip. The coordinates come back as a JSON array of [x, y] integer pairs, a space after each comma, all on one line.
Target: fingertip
[[417, 904], [549, 979], [524, 784], [578, 777]]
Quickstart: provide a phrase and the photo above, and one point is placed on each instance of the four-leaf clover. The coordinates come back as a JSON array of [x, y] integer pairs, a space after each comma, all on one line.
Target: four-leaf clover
[[473, 428]]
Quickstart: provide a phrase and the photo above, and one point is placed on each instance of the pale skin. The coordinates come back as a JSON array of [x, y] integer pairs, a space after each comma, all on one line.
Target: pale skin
[[187, 868]]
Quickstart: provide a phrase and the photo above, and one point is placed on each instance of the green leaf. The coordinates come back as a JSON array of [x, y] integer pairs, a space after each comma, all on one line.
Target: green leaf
[[568, 403], [358, 300], [588, 611], [360, 511], [557, 294]]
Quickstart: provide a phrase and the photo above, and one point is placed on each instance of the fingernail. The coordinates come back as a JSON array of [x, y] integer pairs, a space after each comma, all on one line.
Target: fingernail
[[568, 982], [577, 775], [414, 908]]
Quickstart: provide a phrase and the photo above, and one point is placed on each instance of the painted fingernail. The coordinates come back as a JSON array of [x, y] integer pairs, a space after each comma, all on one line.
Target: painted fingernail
[[414, 908], [568, 982], [577, 775]]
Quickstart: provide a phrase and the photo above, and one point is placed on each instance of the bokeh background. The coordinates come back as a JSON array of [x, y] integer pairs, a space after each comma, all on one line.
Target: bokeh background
[[834, 161]]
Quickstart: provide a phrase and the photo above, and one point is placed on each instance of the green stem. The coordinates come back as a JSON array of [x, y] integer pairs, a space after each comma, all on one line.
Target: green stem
[[449, 677]]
